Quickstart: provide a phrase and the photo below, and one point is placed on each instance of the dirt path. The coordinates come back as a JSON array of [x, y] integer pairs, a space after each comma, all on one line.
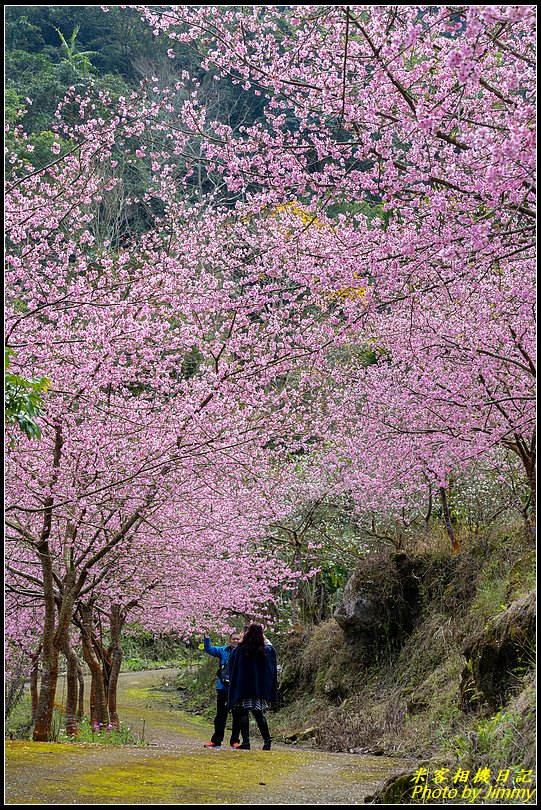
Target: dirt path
[[174, 768]]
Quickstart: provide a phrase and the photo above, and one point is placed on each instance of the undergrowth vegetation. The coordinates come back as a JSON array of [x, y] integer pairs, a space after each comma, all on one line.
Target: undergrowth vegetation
[[408, 701], [20, 724], [143, 650]]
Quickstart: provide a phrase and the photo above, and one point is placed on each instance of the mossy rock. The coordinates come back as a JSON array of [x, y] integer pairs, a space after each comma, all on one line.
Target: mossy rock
[[301, 734], [396, 790], [380, 603], [499, 655]]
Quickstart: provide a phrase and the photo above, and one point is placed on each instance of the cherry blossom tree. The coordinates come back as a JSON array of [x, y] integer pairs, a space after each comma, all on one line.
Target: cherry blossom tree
[[427, 115], [164, 364]]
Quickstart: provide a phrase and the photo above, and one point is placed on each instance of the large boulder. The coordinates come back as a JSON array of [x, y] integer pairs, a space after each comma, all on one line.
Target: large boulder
[[380, 601], [498, 656]]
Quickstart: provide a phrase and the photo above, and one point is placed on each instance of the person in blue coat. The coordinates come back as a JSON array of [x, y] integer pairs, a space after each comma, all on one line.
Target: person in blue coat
[[253, 683], [222, 686]]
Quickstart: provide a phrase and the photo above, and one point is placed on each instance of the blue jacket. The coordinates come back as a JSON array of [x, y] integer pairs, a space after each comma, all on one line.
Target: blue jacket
[[222, 653], [252, 677]]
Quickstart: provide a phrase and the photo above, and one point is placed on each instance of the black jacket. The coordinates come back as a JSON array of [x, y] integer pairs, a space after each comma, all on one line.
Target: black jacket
[[252, 676]]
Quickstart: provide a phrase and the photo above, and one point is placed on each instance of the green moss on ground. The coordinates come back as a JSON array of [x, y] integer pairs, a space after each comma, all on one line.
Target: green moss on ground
[[27, 753], [203, 778], [154, 708], [191, 778]]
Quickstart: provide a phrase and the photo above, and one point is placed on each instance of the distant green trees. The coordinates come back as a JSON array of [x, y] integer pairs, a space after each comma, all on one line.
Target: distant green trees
[[50, 48], [23, 399]]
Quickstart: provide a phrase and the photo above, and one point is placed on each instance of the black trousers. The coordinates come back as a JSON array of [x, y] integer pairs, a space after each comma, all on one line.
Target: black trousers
[[221, 719], [243, 722]]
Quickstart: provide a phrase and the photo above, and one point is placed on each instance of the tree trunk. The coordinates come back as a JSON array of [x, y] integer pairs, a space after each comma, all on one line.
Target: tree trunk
[[296, 593], [62, 636], [102, 655], [322, 598], [45, 704], [527, 454], [50, 654], [98, 698], [81, 695], [115, 655], [34, 683], [529, 516], [92, 699], [448, 523], [49, 659], [72, 665], [429, 508]]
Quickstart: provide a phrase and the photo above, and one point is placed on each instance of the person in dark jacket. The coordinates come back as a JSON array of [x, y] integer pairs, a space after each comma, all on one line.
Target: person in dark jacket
[[253, 683], [222, 653]]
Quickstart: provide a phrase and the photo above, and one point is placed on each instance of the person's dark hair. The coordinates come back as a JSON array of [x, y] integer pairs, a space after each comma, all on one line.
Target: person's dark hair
[[253, 640]]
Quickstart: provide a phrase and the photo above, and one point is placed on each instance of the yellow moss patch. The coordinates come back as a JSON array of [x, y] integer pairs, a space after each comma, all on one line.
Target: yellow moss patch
[[205, 778], [27, 753]]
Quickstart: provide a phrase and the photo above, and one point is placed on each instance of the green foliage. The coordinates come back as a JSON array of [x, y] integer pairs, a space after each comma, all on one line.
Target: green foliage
[[376, 216], [196, 684], [136, 664], [104, 736], [77, 63], [34, 76], [496, 742], [145, 650], [490, 598], [12, 106], [23, 399], [19, 719], [50, 48], [191, 363]]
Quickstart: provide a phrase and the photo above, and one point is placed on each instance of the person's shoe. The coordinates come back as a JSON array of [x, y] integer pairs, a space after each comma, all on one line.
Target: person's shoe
[[266, 745], [211, 745], [243, 747], [235, 745]]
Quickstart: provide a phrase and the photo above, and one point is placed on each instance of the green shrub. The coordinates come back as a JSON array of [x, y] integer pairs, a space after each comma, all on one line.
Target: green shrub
[[93, 733], [19, 722]]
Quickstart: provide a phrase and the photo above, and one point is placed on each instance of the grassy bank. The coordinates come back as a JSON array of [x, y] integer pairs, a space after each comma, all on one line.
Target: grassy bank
[[408, 698]]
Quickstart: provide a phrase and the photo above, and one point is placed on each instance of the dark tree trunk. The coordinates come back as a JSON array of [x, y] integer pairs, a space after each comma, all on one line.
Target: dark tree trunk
[[44, 705], [34, 683], [72, 665], [527, 454], [92, 699], [49, 677], [115, 655], [296, 593], [81, 693], [322, 598], [98, 697], [448, 522], [62, 636]]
